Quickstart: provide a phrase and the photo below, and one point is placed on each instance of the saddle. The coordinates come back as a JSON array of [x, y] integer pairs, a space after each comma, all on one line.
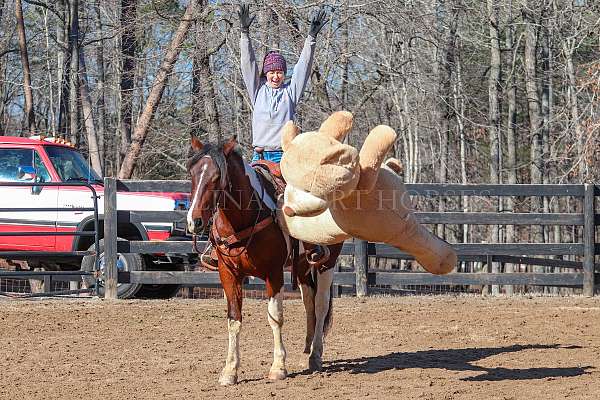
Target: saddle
[[270, 172]]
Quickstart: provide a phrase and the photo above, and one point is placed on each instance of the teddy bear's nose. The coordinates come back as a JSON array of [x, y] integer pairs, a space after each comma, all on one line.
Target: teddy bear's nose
[[289, 211]]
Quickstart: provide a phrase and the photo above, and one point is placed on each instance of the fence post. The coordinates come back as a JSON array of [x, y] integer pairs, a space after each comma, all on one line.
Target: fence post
[[361, 266], [110, 238], [589, 239]]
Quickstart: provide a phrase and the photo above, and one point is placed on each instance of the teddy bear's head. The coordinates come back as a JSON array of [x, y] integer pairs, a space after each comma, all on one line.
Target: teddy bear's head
[[317, 167]]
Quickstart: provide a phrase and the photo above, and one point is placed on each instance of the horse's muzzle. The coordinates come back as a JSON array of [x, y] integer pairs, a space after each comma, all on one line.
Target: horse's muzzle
[[196, 226]]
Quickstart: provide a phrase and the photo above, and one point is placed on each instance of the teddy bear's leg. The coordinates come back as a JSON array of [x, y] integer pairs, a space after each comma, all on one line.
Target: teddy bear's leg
[[433, 253], [377, 144]]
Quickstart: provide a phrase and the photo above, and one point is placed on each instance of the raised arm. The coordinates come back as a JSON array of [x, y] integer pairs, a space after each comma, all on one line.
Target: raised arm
[[250, 72], [303, 67]]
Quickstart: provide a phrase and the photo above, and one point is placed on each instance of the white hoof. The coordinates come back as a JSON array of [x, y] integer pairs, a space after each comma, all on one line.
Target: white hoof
[[228, 380], [277, 374]]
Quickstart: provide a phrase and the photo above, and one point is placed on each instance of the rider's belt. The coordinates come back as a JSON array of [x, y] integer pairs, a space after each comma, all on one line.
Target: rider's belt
[[260, 149]]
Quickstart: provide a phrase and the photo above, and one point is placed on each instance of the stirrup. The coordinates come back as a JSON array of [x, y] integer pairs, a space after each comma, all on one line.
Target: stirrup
[[207, 260], [318, 256], [209, 263]]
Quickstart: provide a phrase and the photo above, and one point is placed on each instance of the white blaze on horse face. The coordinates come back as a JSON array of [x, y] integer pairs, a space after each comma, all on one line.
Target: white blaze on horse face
[[190, 220]]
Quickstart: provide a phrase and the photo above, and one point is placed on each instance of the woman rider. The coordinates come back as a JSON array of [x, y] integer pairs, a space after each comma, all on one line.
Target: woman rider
[[274, 101]]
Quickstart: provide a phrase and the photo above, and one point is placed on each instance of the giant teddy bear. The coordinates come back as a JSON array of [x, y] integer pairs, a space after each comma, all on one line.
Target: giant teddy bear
[[334, 193]]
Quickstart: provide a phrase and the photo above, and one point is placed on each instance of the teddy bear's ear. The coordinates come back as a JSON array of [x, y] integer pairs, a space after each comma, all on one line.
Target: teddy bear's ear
[[288, 133], [337, 125]]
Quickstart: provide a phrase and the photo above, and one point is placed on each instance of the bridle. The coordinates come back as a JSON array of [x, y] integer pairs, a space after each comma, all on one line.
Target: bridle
[[225, 244]]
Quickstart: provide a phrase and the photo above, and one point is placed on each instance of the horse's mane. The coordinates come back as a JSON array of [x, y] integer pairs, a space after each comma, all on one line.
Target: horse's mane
[[215, 151]]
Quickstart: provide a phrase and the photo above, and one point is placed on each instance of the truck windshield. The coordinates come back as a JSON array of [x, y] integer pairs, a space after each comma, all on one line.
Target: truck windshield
[[70, 165]]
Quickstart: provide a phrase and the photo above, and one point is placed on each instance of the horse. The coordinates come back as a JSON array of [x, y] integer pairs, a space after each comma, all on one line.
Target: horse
[[249, 242]]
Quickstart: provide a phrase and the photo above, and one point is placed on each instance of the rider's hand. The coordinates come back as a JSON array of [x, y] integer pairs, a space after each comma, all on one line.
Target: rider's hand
[[317, 22], [245, 18]]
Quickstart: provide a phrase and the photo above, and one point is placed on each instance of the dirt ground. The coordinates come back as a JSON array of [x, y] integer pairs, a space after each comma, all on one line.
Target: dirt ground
[[380, 348]]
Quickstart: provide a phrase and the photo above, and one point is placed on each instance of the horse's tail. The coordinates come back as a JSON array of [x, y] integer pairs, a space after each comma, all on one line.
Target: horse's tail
[[329, 317]]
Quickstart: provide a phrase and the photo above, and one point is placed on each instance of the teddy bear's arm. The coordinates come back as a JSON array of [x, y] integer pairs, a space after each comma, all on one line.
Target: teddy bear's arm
[[373, 151]]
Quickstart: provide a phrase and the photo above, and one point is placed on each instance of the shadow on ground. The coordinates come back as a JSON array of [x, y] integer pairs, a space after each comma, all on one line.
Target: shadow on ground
[[456, 360]]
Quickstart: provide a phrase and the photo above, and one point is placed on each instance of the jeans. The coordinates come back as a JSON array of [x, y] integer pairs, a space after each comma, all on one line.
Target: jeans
[[274, 156]]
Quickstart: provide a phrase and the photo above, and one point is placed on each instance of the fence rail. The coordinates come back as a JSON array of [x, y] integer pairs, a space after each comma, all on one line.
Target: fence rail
[[361, 278]]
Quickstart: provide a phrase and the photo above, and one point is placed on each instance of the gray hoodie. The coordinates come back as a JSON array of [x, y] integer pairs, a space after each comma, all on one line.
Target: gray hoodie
[[273, 107]]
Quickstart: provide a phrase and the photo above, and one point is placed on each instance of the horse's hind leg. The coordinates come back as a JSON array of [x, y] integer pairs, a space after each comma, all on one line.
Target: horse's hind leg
[[233, 293], [275, 317], [308, 298], [322, 308]]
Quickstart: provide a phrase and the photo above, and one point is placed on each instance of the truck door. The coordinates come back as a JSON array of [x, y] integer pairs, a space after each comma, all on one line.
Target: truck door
[[15, 163]]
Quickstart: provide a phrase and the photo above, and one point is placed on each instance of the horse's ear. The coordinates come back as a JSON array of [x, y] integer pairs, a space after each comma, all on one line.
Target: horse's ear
[[229, 145], [288, 133], [196, 143]]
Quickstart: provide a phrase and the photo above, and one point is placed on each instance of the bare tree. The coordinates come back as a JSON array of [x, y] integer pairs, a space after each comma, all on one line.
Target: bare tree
[[141, 128], [511, 127], [88, 117], [533, 104], [494, 115], [205, 112], [29, 112], [74, 71], [129, 46]]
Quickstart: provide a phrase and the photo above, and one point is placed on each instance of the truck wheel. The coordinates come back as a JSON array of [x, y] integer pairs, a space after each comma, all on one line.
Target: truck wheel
[[125, 262], [163, 291]]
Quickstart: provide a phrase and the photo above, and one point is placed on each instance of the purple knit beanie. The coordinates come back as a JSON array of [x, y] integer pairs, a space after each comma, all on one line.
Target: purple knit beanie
[[274, 61]]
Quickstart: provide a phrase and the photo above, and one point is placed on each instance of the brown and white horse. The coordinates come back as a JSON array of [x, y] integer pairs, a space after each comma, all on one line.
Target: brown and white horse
[[250, 243]]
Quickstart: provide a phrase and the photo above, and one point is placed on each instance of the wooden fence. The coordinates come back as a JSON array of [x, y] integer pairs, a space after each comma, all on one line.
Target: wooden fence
[[361, 278]]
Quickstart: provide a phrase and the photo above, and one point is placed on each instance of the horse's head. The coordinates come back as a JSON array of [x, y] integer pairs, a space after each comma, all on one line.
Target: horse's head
[[207, 168]]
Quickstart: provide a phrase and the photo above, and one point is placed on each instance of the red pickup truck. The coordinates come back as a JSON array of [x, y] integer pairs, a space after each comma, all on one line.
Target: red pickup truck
[[39, 159]]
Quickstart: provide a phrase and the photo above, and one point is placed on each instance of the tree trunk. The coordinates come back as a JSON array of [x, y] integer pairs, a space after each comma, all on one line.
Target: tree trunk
[[63, 62], [459, 106], [100, 86], [568, 50], [129, 47], [1, 75], [88, 118], [535, 119], [511, 138], [446, 31], [204, 104], [141, 129], [29, 112], [494, 117], [74, 75]]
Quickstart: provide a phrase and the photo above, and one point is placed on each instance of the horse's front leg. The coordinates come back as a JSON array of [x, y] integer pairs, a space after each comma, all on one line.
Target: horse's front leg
[[275, 317], [322, 309], [233, 292]]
